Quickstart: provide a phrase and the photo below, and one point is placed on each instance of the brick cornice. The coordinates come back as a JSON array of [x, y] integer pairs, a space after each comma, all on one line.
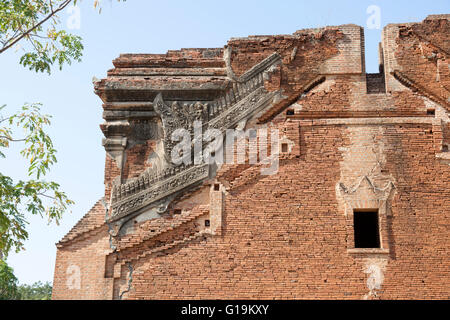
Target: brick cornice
[[281, 105], [415, 87]]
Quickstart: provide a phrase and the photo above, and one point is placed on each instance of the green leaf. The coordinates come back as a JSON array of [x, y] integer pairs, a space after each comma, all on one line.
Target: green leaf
[[35, 196]]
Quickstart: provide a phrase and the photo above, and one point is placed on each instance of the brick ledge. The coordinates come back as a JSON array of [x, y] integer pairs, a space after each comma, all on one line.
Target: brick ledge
[[368, 251]]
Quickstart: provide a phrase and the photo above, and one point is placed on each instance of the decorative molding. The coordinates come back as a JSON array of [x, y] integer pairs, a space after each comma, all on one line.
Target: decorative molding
[[227, 58], [357, 196], [238, 102], [242, 110], [177, 117], [115, 148], [268, 63], [148, 189], [243, 99]]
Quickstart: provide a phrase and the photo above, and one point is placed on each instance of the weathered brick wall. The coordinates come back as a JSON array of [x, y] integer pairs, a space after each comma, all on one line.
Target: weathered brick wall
[[242, 234], [305, 54], [419, 52], [80, 269], [111, 172], [284, 236], [422, 55], [80, 260]]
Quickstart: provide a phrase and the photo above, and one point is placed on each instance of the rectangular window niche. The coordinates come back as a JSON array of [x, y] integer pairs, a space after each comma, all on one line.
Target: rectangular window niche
[[367, 231]]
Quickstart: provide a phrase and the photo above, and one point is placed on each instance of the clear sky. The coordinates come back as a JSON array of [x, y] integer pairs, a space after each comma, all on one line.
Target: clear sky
[[150, 27]]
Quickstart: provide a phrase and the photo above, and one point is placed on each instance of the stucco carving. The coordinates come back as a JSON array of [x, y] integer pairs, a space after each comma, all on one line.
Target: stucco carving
[[244, 98], [150, 187], [367, 194]]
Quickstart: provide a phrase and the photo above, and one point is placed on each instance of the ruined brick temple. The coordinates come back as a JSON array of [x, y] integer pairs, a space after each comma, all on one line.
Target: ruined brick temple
[[358, 208]]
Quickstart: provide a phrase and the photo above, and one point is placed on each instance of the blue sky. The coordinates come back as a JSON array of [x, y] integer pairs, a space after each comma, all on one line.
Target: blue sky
[[149, 27]]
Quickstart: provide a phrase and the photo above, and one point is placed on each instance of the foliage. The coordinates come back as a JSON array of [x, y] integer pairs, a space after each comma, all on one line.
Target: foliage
[[10, 290], [37, 196], [36, 291], [36, 22], [8, 283], [35, 26]]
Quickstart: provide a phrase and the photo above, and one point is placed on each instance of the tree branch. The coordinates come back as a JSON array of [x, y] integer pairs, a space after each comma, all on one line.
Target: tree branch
[[39, 36], [12, 140], [46, 195], [27, 33]]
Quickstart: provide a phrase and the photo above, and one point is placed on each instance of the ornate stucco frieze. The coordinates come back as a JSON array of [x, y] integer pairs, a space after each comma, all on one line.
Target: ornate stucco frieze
[[244, 98], [149, 188]]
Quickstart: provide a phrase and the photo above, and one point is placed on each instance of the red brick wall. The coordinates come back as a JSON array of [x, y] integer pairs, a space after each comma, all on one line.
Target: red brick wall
[[289, 235], [285, 237], [80, 268], [305, 54]]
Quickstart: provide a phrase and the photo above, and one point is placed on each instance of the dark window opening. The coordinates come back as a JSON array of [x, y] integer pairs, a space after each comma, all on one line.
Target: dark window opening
[[445, 148], [430, 112], [216, 187], [367, 233], [290, 112], [284, 147], [207, 223], [177, 211]]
